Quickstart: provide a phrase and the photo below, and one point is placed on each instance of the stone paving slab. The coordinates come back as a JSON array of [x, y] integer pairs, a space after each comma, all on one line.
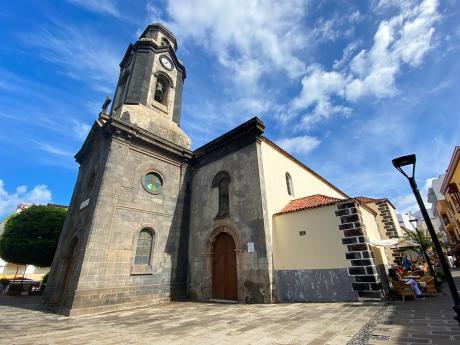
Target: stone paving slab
[[24, 322], [428, 321]]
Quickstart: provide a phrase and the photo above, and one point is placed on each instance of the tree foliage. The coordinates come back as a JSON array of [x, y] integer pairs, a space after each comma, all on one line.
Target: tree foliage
[[424, 238], [31, 237]]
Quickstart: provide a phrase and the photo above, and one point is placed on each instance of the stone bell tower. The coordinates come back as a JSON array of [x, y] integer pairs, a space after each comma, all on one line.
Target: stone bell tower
[[125, 238]]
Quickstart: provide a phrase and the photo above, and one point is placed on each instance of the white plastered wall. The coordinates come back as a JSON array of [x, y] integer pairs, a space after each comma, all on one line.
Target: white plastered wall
[[320, 248], [275, 166]]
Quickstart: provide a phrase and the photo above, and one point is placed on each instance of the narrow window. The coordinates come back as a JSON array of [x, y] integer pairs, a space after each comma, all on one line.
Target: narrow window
[[223, 198], [144, 248], [290, 188], [222, 182]]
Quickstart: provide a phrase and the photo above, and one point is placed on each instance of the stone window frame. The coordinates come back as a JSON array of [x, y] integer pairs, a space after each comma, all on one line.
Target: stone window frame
[[168, 85], [289, 184], [217, 181], [147, 171], [143, 269]]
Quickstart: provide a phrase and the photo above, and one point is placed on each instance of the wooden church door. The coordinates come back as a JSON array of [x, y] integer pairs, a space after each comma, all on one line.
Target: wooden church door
[[224, 280]]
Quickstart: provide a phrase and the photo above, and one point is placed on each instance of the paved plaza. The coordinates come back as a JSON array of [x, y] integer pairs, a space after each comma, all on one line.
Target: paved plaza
[[187, 323], [428, 321]]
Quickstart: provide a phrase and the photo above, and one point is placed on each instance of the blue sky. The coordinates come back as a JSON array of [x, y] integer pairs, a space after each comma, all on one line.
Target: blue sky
[[345, 86]]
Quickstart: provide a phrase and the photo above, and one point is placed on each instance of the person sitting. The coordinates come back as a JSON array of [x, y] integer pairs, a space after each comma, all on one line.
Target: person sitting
[[393, 273]]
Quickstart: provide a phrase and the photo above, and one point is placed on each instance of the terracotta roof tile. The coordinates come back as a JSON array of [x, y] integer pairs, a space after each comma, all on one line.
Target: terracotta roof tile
[[366, 200], [312, 201]]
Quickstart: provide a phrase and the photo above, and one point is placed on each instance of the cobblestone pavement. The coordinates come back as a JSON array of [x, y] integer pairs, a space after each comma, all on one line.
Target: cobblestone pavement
[[23, 322], [416, 322]]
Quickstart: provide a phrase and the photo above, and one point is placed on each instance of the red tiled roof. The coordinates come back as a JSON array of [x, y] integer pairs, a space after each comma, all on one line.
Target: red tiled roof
[[312, 201], [365, 200]]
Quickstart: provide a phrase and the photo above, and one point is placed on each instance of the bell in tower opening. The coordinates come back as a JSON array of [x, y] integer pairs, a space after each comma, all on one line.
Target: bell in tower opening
[[159, 91]]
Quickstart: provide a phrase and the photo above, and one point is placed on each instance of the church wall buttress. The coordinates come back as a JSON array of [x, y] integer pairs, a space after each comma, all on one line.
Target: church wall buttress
[[108, 277], [245, 222]]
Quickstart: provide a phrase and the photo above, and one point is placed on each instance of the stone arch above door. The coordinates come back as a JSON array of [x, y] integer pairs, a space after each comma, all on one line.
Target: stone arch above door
[[208, 262]]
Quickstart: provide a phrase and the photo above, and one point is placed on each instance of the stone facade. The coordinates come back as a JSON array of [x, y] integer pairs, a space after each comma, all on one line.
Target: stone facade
[[389, 223], [245, 221], [114, 218], [366, 280], [322, 285]]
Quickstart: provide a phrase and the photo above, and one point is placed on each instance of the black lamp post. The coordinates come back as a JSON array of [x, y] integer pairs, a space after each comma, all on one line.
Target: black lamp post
[[414, 223], [407, 161]]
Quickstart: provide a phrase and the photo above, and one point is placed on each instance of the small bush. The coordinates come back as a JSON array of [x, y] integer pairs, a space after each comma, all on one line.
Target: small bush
[[45, 279], [4, 282]]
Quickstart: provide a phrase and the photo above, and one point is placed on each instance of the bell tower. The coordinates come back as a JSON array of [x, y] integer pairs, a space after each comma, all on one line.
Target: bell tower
[[149, 89], [125, 238]]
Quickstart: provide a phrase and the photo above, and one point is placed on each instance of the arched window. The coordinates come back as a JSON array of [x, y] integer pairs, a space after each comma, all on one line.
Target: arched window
[[144, 247], [222, 181], [290, 187], [161, 89], [165, 42]]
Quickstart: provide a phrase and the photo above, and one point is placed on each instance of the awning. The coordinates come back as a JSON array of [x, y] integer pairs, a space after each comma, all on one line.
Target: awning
[[395, 243]]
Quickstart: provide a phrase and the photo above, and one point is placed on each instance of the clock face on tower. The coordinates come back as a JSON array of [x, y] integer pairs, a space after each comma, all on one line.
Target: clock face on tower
[[166, 62]]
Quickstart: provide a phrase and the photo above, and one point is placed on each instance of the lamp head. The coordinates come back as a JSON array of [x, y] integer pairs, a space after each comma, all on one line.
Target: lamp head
[[414, 222], [405, 161]]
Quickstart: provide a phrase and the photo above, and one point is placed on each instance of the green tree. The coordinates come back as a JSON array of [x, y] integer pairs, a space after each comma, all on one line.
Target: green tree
[[31, 237]]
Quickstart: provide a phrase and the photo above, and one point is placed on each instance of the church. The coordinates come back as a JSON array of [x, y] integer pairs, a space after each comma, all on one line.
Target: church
[[237, 220]]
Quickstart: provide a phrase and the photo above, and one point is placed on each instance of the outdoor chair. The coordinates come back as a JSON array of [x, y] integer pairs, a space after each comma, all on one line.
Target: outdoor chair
[[402, 289], [430, 287]]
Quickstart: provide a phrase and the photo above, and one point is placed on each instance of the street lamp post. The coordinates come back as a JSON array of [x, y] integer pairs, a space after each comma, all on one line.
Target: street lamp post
[[414, 223], [410, 161]]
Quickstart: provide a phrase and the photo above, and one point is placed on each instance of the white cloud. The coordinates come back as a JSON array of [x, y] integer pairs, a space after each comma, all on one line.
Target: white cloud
[[80, 129], [51, 148], [406, 203], [318, 87], [83, 54], [302, 144], [404, 39], [101, 6], [40, 194], [248, 37]]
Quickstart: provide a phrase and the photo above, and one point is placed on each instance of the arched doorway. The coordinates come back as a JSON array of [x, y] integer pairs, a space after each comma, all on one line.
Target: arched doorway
[[224, 276], [71, 259]]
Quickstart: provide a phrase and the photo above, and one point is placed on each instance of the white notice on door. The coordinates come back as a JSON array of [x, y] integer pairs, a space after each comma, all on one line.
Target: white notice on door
[[251, 247]]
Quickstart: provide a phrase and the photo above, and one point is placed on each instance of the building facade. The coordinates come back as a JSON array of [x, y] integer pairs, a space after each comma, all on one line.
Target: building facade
[[450, 188], [444, 222], [151, 220]]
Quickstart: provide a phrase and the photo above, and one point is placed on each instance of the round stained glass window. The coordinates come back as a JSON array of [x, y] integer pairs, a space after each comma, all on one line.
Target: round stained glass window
[[153, 182]]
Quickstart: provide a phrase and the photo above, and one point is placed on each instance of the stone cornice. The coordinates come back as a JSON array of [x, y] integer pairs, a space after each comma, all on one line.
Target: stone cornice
[[164, 31], [113, 127], [243, 135], [151, 45]]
